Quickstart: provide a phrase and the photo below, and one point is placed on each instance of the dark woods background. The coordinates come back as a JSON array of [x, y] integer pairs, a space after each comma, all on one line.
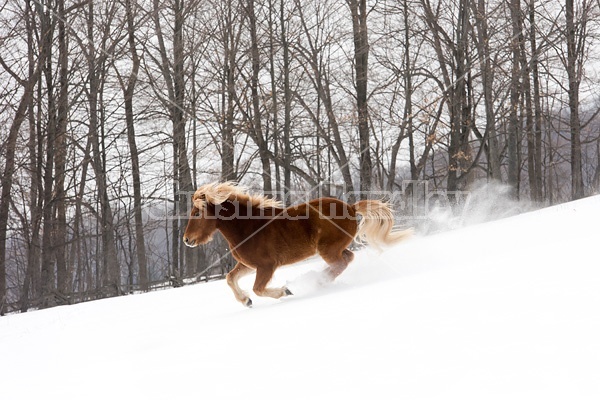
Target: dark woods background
[[111, 109]]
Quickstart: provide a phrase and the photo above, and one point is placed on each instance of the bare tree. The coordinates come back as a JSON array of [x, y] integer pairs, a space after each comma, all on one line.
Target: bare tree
[[287, 95], [407, 125], [576, 41], [9, 167], [452, 59], [31, 280], [48, 24], [482, 43], [514, 128], [230, 39], [312, 53], [535, 75], [173, 75], [96, 57], [62, 110], [358, 10], [256, 129], [128, 87]]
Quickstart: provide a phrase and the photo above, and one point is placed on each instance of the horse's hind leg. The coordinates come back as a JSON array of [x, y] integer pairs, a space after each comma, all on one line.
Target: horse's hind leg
[[236, 273], [263, 277], [337, 263]]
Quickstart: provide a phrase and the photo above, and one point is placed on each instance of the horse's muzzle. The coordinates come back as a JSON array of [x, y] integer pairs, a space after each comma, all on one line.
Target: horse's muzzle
[[189, 242]]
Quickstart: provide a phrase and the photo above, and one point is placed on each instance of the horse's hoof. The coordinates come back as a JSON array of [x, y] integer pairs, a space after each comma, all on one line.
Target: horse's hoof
[[288, 292], [248, 303]]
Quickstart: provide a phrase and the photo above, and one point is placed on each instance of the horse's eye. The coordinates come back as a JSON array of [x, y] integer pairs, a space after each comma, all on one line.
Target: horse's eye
[[195, 212]]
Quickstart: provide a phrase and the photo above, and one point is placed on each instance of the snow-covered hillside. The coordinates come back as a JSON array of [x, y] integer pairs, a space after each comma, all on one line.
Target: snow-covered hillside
[[503, 310]]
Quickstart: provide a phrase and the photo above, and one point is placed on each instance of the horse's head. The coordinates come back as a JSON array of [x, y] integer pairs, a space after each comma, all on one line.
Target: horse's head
[[213, 202], [202, 223]]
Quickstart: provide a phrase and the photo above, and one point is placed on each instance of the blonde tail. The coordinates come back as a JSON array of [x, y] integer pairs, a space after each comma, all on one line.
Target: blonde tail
[[377, 224]]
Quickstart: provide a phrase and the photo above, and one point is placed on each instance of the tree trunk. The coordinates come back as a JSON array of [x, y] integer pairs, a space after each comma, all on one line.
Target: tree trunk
[[60, 233], [189, 256], [596, 180], [110, 271], [47, 277], [528, 109], [454, 74], [274, 101], [287, 96], [182, 176], [228, 100], [256, 124], [31, 278], [515, 90], [536, 102], [9, 170], [574, 80], [487, 77], [458, 150], [406, 128], [140, 242], [358, 9]]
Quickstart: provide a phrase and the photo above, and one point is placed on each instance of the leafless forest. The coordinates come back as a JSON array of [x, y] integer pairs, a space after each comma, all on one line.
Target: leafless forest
[[113, 111]]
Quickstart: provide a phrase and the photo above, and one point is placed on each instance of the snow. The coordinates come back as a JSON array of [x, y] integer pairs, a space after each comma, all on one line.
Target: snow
[[501, 310]]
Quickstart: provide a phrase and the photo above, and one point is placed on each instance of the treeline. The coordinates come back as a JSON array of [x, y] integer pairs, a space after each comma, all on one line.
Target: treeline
[[112, 112]]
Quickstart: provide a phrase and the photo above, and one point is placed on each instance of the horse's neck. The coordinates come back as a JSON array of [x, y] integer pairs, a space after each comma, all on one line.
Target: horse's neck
[[232, 219], [238, 221]]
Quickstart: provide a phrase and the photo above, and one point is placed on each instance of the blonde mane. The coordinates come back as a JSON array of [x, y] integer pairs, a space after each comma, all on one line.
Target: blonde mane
[[217, 193]]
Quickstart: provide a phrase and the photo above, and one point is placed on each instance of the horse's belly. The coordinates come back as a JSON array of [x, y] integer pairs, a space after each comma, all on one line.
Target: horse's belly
[[275, 252]]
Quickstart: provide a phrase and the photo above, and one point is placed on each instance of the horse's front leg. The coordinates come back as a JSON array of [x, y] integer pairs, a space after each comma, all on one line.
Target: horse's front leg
[[263, 277], [233, 277]]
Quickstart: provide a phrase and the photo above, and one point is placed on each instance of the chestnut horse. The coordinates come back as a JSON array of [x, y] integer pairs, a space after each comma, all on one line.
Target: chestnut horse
[[263, 235]]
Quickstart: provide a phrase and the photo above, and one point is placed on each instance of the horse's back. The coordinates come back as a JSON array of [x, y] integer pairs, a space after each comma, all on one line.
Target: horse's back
[[336, 221]]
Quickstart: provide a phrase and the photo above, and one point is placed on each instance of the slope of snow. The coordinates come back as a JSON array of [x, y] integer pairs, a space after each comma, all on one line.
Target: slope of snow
[[503, 310]]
